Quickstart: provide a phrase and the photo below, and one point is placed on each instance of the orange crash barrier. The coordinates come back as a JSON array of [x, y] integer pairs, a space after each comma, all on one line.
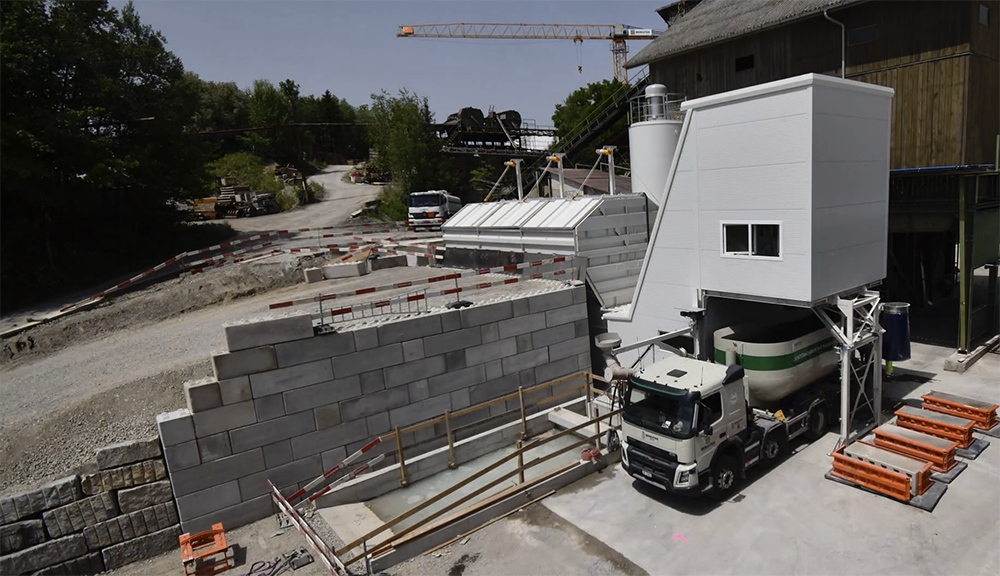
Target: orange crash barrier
[[940, 452], [936, 424], [892, 484], [206, 553], [982, 414]]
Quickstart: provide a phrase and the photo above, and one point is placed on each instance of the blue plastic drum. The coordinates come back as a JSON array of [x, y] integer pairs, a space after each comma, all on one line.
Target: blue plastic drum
[[896, 340]]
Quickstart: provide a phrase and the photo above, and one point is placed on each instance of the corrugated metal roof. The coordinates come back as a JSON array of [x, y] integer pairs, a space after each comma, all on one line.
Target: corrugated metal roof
[[713, 21], [548, 213]]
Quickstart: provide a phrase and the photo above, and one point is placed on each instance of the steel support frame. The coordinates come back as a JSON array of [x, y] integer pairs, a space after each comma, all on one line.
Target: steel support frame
[[855, 323]]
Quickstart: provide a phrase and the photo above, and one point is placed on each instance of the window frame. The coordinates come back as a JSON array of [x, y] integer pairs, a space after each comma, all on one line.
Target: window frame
[[984, 10], [750, 224]]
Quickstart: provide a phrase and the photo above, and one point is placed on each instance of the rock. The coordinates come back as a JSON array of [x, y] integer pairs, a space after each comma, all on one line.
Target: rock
[[132, 499], [80, 514], [43, 555], [141, 548], [128, 453], [20, 535]]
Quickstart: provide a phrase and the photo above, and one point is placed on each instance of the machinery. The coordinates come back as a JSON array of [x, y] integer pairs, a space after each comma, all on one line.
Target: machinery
[[235, 202], [429, 210]]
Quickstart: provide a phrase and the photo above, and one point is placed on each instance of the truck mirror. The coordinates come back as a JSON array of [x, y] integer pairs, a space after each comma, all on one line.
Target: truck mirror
[[707, 430]]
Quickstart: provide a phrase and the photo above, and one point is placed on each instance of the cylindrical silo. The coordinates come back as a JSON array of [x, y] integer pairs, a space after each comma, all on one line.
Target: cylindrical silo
[[653, 138]]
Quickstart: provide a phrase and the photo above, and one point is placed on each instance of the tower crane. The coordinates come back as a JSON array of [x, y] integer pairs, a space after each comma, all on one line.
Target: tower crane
[[617, 33]]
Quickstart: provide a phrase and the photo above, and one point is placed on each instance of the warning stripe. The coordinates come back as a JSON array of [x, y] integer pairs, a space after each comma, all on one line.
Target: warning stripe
[[339, 466]]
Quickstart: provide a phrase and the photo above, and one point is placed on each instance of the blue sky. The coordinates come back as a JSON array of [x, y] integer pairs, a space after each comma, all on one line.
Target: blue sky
[[351, 49]]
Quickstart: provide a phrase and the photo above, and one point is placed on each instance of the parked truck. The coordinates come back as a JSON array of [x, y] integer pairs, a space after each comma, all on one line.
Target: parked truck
[[235, 202]]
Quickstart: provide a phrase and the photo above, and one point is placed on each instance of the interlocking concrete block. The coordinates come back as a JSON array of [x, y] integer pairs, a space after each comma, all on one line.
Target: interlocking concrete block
[[141, 548], [43, 555], [409, 329], [585, 362], [553, 335], [231, 517], [175, 427], [223, 418], [202, 394], [526, 379], [493, 388], [217, 472], [208, 500], [328, 438], [550, 301], [78, 515], [132, 499], [369, 404], [582, 327], [384, 262], [315, 348], [133, 525], [452, 381], [523, 343], [296, 471], [557, 369], [378, 424], [322, 393], [413, 371], [460, 399], [579, 293], [494, 369], [245, 362], [327, 416], [489, 332], [331, 458], [479, 315], [124, 453], [285, 379], [451, 320], [182, 456], [418, 390], [367, 360], [264, 433], [235, 390], [313, 275], [365, 338], [269, 407], [489, 352], [214, 447], [83, 566], [452, 341], [21, 535], [413, 350], [454, 360], [372, 382], [521, 307], [124, 477], [525, 360], [60, 492], [254, 333], [521, 325], [565, 315], [569, 348], [277, 454], [418, 411], [345, 270]]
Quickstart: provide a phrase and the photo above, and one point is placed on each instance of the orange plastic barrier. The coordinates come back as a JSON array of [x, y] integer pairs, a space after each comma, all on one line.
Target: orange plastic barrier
[[892, 484], [941, 459], [983, 415], [962, 434], [197, 550]]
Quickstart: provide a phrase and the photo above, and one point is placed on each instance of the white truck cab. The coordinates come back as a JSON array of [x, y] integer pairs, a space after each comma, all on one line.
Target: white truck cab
[[429, 210]]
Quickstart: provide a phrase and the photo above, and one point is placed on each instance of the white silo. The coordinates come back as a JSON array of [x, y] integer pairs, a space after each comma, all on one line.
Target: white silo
[[655, 127]]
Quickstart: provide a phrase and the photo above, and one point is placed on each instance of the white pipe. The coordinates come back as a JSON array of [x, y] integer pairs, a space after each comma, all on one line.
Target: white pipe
[[611, 171], [842, 29], [517, 170]]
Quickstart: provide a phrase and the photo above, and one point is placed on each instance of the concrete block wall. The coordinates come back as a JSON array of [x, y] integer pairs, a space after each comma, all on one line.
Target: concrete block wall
[[287, 403], [93, 522]]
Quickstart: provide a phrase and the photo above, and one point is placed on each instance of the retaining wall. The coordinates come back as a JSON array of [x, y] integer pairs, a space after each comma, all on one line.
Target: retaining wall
[[288, 402]]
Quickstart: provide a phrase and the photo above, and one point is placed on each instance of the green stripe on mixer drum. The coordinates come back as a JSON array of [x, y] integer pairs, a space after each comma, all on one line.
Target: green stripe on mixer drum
[[783, 362]]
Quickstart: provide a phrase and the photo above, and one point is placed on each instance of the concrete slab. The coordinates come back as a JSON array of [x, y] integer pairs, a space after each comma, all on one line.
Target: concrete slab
[[950, 475], [352, 521], [974, 449]]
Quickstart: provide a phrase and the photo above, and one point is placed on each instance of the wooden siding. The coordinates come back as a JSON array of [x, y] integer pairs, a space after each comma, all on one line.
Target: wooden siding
[[984, 113]]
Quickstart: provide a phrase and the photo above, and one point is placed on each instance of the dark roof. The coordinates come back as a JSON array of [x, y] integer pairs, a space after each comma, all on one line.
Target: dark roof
[[712, 21], [598, 180]]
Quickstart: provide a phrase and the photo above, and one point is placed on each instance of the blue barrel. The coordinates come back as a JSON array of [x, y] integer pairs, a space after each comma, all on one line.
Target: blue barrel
[[896, 340]]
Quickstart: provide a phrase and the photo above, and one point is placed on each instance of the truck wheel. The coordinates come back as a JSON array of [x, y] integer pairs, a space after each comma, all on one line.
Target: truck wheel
[[770, 451], [725, 471], [816, 424]]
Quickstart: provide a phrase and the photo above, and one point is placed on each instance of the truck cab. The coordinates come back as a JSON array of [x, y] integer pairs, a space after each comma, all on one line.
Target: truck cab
[[429, 210]]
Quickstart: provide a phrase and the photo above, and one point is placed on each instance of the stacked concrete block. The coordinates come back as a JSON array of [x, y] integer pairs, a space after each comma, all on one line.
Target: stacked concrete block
[[345, 270], [20, 535], [123, 477]]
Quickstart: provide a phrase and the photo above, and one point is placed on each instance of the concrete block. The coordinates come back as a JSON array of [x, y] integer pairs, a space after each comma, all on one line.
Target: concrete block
[[269, 407], [525, 360], [214, 447], [315, 348], [345, 270], [565, 315], [175, 427], [82, 566], [133, 525], [585, 362], [254, 333], [492, 351], [132, 499], [452, 341], [419, 411], [550, 301], [526, 379], [365, 338], [264, 433], [141, 548], [494, 369], [296, 471], [244, 362], [385, 262], [182, 456], [522, 325], [521, 307], [359, 408], [20, 535], [582, 328], [553, 335], [128, 452], [43, 555], [451, 320], [413, 350], [557, 369], [322, 393], [493, 388], [231, 517], [290, 378], [489, 332], [60, 492], [523, 343], [235, 390], [223, 418], [409, 329], [454, 360], [277, 454], [372, 382], [367, 360], [418, 390], [327, 416], [331, 458], [579, 293], [124, 477], [328, 438], [460, 399], [313, 275], [202, 394], [208, 500], [76, 516], [378, 424], [569, 348], [452, 381], [217, 472], [413, 371], [479, 315]]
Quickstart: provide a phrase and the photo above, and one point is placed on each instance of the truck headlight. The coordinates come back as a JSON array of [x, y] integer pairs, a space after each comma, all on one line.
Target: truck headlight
[[684, 477]]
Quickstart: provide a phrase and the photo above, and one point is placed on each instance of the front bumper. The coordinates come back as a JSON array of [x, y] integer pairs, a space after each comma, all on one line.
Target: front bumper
[[666, 475]]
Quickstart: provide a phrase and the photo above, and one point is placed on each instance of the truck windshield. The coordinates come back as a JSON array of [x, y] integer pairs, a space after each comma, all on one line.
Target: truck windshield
[[659, 412], [425, 200]]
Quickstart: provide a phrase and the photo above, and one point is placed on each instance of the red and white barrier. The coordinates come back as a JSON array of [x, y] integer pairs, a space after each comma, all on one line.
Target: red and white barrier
[[318, 546], [343, 464], [354, 474]]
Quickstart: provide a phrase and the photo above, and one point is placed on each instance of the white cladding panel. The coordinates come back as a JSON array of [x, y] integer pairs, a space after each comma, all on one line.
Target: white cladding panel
[[651, 149]]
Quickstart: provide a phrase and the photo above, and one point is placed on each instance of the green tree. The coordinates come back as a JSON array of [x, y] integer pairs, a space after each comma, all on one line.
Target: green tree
[[572, 114], [223, 106], [268, 108]]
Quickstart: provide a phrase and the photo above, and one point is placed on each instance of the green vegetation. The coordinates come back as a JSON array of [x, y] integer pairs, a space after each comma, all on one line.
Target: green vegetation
[[571, 114]]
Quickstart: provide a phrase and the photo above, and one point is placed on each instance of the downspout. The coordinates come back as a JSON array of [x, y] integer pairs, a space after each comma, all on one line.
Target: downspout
[[842, 31]]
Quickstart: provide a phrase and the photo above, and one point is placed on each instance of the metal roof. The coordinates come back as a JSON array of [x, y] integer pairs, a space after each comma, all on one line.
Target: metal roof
[[534, 213], [713, 21]]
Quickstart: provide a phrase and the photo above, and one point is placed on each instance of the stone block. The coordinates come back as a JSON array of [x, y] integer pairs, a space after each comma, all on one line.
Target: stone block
[[372, 382], [202, 394], [454, 360], [413, 371], [43, 555], [479, 315], [244, 362], [217, 472], [141, 548], [359, 408], [523, 343], [285, 379], [460, 399], [526, 379], [413, 350], [550, 301], [367, 360], [83, 566], [254, 333], [579, 293], [124, 453], [493, 388], [124, 477], [277, 454], [582, 327], [214, 447], [554, 335], [452, 381], [384, 262], [521, 307], [223, 418], [235, 390], [231, 517], [328, 438], [182, 456], [59, 492], [451, 320], [521, 325], [568, 348], [494, 369], [409, 329], [557, 369], [175, 427], [208, 500], [365, 338], [20, 535], [315, 348], [313, 275], [296, 471], [345, 270], [489, 352], [418, 390], [419, 411], [327, 416], [76, 516], [565, 315], [525, 360], [331, 458], [264, 433], [489, 332], [132, 499], [132, 525], [322, 393], [269, 407], [452, 341], [378, 424], [585, 362]]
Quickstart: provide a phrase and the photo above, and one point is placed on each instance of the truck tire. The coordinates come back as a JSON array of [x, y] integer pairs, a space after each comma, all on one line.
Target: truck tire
[[816, 423], [725, 473], [772, 448]]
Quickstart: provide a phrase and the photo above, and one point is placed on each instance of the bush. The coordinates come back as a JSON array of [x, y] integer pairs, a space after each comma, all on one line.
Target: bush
[[247, 169], [315, 192], [392, 203]]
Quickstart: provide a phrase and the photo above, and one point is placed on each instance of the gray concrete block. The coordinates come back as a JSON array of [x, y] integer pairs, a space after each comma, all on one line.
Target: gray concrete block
[[378, 424], [451, 320], [124, 453], [202, 394], [550, 301], [328, 438], [141, 548], [479, 315], [76, 516], [251, 334], [523, 343], [493, 388], [521, 307], [419, 411], [372, 382], [579, 294], [418, 390], [224, 418], [526, 379], [369, 404], [269, 407], [452, 381], [367, 360], [20, 535], [315, 348], [313, 275], [384, 262], [124, 477], [327, 416], [296, 471], [557, 369], [553, 335], [460, 399], [47, 496], [175, 427], [217, 472], [82, 566], [565, 315], [525, 360], [214, 447], [182, 456], [455, 360], [413, 350], [521, 325], [492, 351], [582, 328], [264, 433], [494, 369], [244, 362], [585, 362], [285, 379], [43, 555], [413, 371], [489, 332], [235, 390], [278, 453], [133, 525], [144, 496], [208, 500], [232, 517], [331, 458], [452, 341], [322, 393], [569, 348], [409, 329], [365, 338]]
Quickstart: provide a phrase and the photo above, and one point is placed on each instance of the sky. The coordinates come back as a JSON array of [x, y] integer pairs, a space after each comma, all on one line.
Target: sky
[[351, 48]]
